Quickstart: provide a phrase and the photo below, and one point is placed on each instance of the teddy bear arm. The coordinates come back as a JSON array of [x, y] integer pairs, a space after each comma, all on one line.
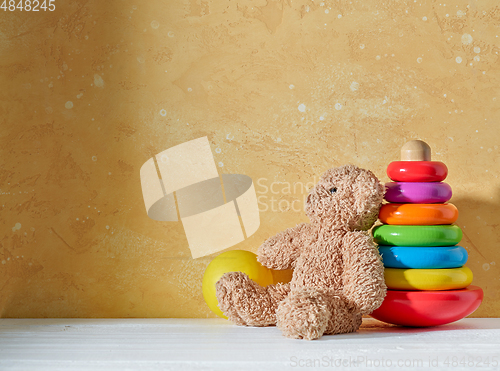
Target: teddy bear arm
[[282, 250], [363, 279]]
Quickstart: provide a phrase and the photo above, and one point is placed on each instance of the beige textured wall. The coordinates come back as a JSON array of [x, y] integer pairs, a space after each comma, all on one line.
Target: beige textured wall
[[285, 90]]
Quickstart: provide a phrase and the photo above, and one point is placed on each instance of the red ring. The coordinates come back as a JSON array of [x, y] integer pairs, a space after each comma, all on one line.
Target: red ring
[[428, 308], [417, 171]]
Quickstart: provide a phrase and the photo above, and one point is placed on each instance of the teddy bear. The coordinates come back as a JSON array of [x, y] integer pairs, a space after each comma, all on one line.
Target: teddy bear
[[338, 275]]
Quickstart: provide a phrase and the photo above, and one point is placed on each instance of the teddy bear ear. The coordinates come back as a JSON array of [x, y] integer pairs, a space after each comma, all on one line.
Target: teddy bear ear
[[382, 189], [367, 195], [309, 206]]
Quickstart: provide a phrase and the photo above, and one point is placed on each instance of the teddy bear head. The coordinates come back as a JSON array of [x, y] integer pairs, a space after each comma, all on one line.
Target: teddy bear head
[[346, 197]]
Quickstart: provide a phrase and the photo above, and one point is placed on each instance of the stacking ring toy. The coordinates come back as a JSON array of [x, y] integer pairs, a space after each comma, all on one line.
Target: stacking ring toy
[[417, 235], [418, 214], [417, 193], [417, 171], [428, 308], [427, 279], [440, 257]]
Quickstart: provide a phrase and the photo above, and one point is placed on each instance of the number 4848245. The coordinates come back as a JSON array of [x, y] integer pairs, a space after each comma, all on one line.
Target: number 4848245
[[28, 5]]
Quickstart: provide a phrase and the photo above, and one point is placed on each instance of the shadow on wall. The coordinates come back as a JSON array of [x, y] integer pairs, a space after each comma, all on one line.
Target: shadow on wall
[[479, 220]]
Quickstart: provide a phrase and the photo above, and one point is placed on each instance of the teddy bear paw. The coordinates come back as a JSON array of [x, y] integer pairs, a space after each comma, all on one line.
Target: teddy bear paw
[[303, 315], [244, 301], [343, 319], [228, 292]]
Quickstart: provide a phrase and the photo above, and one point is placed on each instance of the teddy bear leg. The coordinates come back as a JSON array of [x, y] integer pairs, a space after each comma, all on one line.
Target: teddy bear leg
[[246, 303], [342, 319], [304, 314]]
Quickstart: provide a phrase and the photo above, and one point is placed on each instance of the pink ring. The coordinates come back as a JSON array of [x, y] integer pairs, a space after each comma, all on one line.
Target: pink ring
[[417, 193]]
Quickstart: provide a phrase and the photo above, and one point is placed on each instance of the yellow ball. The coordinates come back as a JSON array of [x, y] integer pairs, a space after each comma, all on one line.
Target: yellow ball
[[232, 261], [283, 276]]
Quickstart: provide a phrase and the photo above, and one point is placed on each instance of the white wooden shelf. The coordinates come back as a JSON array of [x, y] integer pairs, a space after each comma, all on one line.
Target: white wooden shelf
[[216, 344]]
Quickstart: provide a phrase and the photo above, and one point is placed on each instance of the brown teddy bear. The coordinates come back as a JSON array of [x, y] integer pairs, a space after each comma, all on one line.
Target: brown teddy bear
[[337, 270]]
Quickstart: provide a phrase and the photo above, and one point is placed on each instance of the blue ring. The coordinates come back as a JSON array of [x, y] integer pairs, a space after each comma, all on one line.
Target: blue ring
[[439, 257]]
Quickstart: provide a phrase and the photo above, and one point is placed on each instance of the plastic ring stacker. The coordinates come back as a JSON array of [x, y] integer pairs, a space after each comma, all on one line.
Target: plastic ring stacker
[[417, 171], [427, 279], [417, 193], [428, 308], [418, 214], [423, 257], [417, 235]]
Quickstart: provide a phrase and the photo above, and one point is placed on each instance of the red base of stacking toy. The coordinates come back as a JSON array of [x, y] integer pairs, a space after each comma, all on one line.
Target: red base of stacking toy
[[428, 308]]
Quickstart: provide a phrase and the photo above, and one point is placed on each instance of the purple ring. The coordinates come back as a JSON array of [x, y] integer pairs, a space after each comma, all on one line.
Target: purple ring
[[417, 193]]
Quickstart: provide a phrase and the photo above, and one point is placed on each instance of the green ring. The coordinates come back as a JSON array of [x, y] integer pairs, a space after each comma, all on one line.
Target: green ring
[[417, 235]]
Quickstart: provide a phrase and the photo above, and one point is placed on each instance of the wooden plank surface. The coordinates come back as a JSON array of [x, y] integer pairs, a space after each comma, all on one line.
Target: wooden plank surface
[[215, 344]]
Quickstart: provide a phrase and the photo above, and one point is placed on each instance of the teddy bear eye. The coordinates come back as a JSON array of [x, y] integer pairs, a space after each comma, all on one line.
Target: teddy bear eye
[[333, 190]]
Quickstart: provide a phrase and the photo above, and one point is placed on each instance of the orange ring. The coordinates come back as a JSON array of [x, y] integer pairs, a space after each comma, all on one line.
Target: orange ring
[[418, 214]]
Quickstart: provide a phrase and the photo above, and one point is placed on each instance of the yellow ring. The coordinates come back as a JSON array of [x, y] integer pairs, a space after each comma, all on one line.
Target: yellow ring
[[428, 279]]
